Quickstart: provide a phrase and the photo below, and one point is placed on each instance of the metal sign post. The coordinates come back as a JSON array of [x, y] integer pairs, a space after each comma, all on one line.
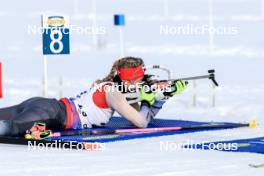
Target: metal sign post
[[119, 20], [56, 40]]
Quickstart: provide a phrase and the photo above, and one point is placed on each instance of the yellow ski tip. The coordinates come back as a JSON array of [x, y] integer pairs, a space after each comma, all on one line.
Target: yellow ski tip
[[253, 124]]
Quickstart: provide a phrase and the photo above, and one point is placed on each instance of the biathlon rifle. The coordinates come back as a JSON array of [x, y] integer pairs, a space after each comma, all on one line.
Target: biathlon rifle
[[149, 80]]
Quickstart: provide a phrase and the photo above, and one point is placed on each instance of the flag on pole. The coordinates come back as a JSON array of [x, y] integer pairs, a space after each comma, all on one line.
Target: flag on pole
[[119, 20]]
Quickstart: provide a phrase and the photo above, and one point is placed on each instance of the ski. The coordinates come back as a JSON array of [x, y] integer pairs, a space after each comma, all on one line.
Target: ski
[[257, 165], [108, 133], [23, 141], [151, 130], [48, 144]]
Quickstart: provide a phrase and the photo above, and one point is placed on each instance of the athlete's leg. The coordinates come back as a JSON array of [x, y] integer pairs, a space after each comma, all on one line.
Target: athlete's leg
[[8, 113], [12, 111], [49, 111]]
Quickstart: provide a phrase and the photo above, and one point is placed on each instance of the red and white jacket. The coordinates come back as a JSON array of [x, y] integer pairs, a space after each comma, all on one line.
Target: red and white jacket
[[91, 108], [88, 108]]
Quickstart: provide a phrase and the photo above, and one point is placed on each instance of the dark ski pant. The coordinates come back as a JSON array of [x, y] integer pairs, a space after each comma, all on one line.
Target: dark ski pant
[[22, 117]]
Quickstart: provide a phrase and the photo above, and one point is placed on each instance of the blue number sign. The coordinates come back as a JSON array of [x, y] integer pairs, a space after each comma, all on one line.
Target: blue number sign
[[56, 39]]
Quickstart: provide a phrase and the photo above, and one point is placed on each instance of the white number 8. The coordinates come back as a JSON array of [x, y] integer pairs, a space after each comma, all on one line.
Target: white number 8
[[57, 40]]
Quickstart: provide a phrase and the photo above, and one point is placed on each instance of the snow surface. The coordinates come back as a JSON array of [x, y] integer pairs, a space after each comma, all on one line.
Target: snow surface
[[238, 61]]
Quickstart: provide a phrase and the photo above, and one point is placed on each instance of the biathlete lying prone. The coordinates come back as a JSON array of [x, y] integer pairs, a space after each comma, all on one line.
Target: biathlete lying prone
[[93, 107]]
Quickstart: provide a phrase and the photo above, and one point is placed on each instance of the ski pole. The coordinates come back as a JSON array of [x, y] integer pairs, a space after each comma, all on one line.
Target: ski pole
[[207, 126], [149, 130]]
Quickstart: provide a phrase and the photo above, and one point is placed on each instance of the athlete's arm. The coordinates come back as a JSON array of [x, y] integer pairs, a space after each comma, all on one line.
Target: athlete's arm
[[118, 102]]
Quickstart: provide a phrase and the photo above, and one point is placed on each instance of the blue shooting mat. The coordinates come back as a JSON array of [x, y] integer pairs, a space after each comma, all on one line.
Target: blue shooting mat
[[119, 123]]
